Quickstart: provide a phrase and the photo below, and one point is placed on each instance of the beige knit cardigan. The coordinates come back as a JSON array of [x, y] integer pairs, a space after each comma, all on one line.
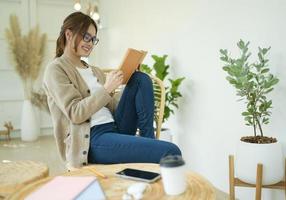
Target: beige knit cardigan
[[71, 106]]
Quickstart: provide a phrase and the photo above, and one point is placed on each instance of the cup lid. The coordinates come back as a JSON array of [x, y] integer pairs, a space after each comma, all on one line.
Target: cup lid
[[172, 161]]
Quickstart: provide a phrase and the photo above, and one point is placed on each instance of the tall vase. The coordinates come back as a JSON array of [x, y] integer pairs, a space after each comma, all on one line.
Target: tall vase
[[30, 128]]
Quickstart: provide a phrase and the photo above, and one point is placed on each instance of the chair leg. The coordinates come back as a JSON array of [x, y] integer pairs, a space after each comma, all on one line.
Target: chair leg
[[285, 180], [231, 178], [258, 182]]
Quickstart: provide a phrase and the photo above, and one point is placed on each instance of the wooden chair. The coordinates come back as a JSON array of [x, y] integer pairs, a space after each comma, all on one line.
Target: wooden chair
[[159, 98], [9, 127]]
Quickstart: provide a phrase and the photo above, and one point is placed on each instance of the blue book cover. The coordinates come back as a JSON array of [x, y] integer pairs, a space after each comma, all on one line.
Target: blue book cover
[[92, 192]]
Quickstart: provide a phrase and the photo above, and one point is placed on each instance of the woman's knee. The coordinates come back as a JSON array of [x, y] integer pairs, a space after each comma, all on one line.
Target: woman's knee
[[173, 150], [141, 77]]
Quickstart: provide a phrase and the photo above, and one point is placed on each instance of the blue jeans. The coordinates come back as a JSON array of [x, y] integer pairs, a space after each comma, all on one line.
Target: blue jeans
[[116, 142]]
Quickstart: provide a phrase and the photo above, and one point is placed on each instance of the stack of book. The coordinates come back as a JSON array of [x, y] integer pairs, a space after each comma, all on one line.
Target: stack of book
[[69, 188]]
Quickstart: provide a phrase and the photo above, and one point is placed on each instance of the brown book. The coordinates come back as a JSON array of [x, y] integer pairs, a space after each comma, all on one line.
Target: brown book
[[131, 61]]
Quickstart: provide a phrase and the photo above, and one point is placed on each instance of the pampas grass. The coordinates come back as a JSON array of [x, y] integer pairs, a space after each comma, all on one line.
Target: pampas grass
[[27, 53], [39, 99]]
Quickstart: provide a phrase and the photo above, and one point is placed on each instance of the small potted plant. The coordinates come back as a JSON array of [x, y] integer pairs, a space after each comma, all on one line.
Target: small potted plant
[[253, 82], [161, 70]]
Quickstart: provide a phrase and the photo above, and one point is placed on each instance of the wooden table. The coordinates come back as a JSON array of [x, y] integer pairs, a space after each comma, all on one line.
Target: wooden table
[[16, 174], [114, 187]]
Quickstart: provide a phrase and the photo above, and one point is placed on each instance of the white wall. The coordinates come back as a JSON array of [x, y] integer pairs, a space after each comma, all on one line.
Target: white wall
[[208, 124]]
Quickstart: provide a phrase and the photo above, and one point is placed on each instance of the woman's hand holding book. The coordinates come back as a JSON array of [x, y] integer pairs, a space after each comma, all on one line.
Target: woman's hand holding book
[[113, 80]]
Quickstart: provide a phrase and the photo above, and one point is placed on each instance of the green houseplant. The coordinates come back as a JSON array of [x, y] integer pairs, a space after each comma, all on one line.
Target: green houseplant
[[161, 70], [253, 82]]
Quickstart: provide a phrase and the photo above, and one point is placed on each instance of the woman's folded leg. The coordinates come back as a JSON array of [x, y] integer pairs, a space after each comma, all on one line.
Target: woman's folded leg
[[110, 148]]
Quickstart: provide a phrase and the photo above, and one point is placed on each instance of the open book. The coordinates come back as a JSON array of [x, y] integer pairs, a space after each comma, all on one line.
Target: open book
[[131, 61]]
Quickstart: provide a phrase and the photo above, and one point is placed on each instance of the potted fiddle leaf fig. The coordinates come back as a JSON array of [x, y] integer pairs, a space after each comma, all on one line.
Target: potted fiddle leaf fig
[[172, 88], [253, 83]]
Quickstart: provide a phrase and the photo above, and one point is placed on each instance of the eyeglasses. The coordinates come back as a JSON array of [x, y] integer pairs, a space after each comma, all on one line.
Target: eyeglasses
[[87, 38]]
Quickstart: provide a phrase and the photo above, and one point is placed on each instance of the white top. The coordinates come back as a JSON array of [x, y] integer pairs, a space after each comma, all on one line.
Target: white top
[[103, 115]]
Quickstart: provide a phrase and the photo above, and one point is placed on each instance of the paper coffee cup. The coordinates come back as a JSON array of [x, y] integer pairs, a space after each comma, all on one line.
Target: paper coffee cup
[[173, 174]]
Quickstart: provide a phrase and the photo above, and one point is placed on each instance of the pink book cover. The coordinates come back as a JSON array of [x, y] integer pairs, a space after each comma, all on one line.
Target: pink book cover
[[62, 188]]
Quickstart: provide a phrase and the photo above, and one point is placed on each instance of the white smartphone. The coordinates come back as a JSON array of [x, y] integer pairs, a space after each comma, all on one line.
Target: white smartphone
[[139, 175]]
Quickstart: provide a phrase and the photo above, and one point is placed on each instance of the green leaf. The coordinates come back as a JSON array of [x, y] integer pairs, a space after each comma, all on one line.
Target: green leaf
[[160, 67], [231, 80], [241, 44], [223, 58], [264, 70], [245, 113], [274, 81], [269, 90], [145, 68], [223, 52], [176, 105], [248, 119], [226, 68], [260, 57], [264, 50]]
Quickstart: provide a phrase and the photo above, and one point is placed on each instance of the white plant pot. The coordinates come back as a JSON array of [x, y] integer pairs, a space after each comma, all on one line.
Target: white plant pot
[[166, 135], [247, 157], [30, 128]]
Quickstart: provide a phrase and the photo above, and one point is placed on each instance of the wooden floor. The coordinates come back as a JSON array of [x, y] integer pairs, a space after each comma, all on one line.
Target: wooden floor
[[44, 150]]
